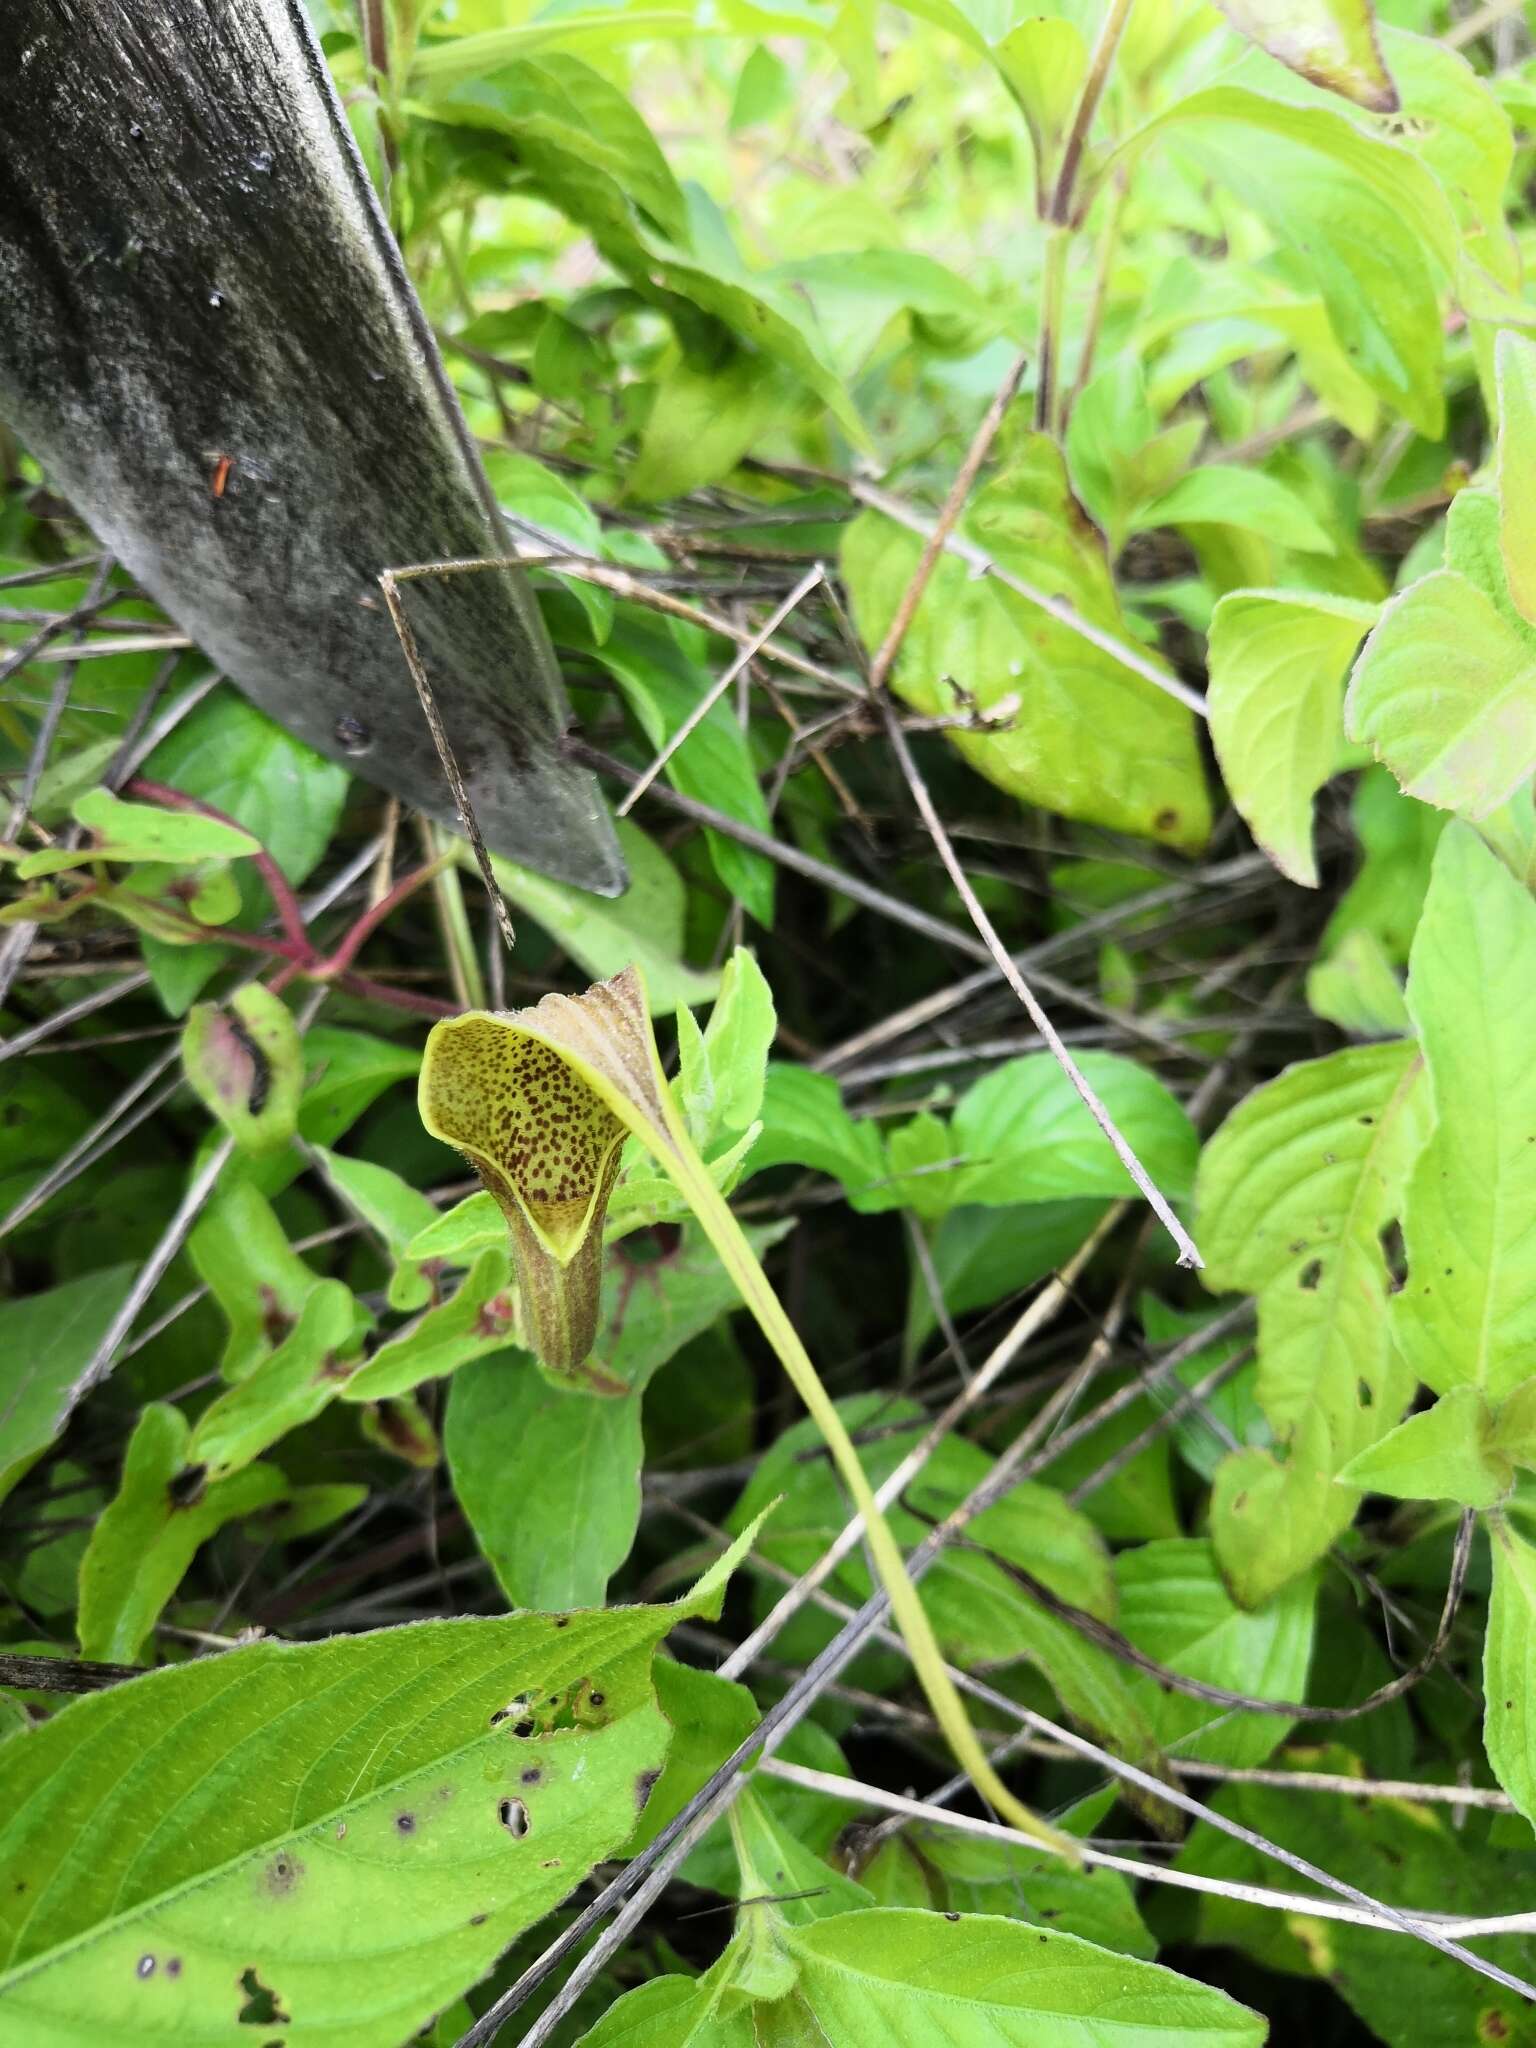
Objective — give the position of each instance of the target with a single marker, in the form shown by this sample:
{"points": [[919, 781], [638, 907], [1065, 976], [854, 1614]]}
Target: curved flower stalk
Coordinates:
{"points": [[538, 1101]]}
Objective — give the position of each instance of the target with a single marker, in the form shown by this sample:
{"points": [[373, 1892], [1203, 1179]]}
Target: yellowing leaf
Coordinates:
{"points": [[1515, 360], [245, 1063], [1332, 42]]}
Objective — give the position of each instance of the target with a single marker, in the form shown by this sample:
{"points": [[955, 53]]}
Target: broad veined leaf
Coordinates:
{"points": [[702, 421], [771, 1859], [46, 1342], [1446, 1452], [246, 1065], [1509, 1666], [1025, 1136], [1445, 693], [347, 1071], [1174, 1606], [1369, 222], [1277, 665], [980, 1255], [1293, 1193], [337, 1836], [1515, 358], [147, 1535], [974, 1981], [603, 934], [1331, 42], [1088, 737], [1467, 1313], [805, 1124]]}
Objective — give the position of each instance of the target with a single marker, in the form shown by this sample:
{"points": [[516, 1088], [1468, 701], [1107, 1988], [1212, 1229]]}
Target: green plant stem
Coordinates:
{"points": [[1109, 243], [1102, 56], [739, 1260]]}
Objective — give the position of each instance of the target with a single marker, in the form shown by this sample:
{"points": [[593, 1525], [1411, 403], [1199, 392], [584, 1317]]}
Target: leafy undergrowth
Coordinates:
{"points": [[1178, 674]]}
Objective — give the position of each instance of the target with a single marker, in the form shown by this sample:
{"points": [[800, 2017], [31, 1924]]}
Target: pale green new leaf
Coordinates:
{"points": [[1224, 494], [1331, 42], [1292, 1195], [1445, 693], [355, 1828], [145, 1538], [702, 421], [1356, 988], [133, 832], [1447, 1452], [1515, 358], [1277, 665], [1467, 1315], [1509, 1666]]}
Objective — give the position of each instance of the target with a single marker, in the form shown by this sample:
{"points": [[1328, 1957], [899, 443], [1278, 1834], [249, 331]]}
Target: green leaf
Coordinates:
{"points": [[239, 1819], [346, 1072], [703, 420], [246, 1066], [1293, 1193], [772, 1860], [1509, 1666], [1399, 838], [460, 1232], [1088, 737], [46, 1342], [603, 934], [164, 1509], [1515, 358], [899, 1974], [1277, 668], [1331, 42], [1365, 219], [242, 1255], [1044, 60], [662, 687], [723, 1071], [394, 1211], [235, 758], [710, 1718], [1445, 693], [1027, 1137], [1445, 1453], [805, 1124], [1356, 988], [514, 1438], [532, 495], [290, 1387], [1467, 1315], [1223, 494], [981, 1255], [477, 1318], [1174, 1606], [133, 832]]}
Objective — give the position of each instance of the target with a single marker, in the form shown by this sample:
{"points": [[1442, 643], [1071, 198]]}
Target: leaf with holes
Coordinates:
{"points": [[1293, 1194], [337, 1837]]}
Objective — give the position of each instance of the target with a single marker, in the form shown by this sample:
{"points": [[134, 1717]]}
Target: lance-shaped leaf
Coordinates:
{"points": [[1331, 42], [545, 1138], [538, 1100]]}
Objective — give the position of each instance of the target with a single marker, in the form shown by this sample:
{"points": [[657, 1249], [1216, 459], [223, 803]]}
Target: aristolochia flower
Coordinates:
{"points": [[539, 1102]]}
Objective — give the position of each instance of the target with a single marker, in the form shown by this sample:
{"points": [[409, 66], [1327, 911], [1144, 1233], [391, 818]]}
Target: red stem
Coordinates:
{"points": [[346, 952], [283, 898]]}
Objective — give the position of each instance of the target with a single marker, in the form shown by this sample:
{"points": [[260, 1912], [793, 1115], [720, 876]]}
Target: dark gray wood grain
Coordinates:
{"points": [[207, 338]]}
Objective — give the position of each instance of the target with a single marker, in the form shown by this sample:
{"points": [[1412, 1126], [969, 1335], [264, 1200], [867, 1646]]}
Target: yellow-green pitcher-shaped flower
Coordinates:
{"points": [[538, 1101]]}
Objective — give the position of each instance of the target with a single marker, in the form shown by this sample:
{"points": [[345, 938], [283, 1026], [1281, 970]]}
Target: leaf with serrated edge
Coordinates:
{"points": [[1444, 1453], [1292, 1195], [1444, 692], [363, 1824], [1467, 1314]]}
